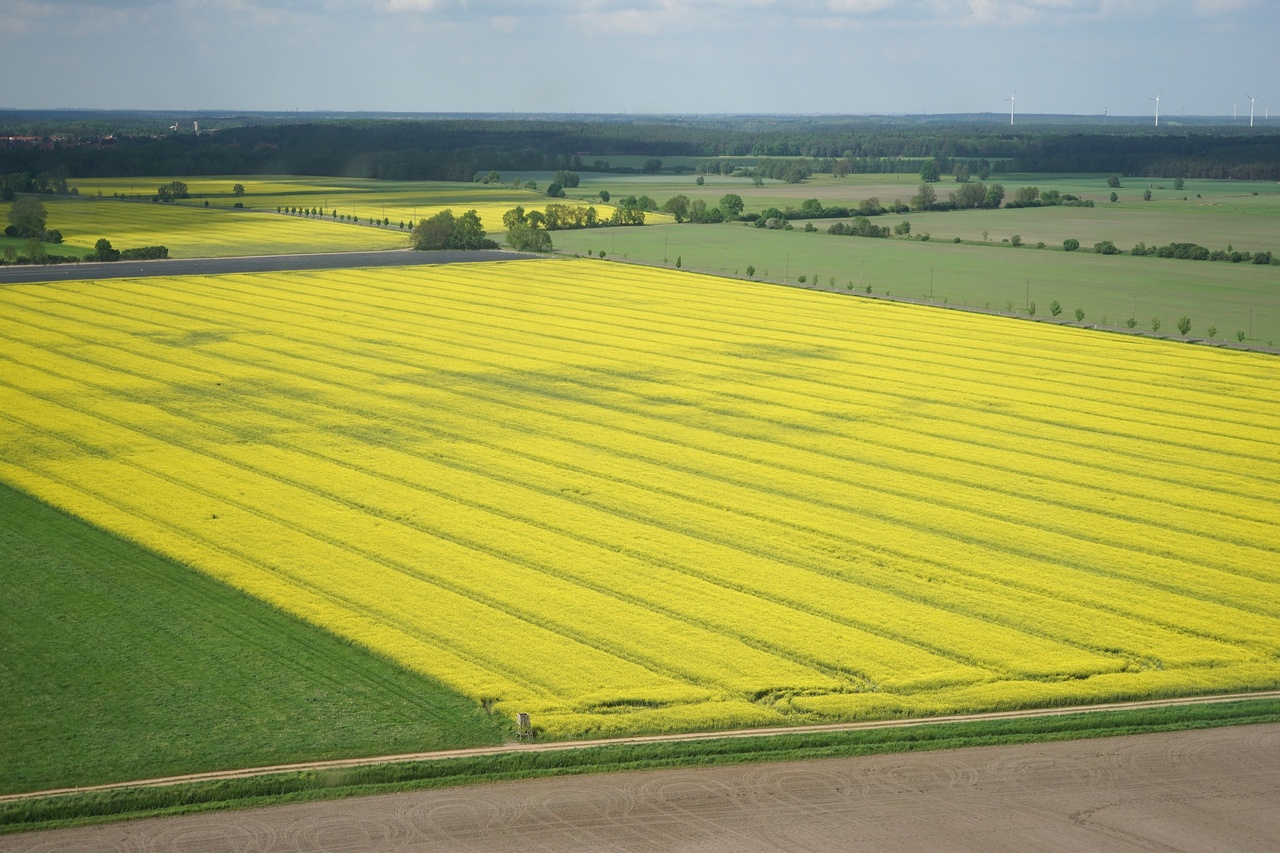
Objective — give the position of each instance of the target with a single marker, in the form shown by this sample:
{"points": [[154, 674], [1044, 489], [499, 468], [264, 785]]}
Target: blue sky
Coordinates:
{"points": [[703, 56]]}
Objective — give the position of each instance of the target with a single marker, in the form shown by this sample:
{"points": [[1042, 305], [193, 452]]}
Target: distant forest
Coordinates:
{"points": [[457, 149]]}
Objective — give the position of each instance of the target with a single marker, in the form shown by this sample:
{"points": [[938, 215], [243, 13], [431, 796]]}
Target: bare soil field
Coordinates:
{"points": [[1215, 789]]}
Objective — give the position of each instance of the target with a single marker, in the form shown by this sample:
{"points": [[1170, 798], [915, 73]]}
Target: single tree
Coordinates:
{"points": [[1055, 308], [653, 164], [237, 190], [434, 232], [1114, 182], [677, 206], [1131, 322], [1184, 325], [1015, 240], [1079, 315], [1155, 324], [1031, 309], [925, 198], [28, 215], [930, 173], [1115, 197], [751, 271], [1070, 244], [102, 251], [604, 196], [1240, 336], [731, 205], [699, 180], [35, 250], [1178, 183], [903, 228], [1213, 331], [969, 196], [1146, 195], [555, 191], [961, 173], [513, 217], [677, 262]]}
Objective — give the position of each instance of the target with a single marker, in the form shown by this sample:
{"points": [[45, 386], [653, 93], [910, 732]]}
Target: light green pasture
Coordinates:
{"points": [[1108, 288]]}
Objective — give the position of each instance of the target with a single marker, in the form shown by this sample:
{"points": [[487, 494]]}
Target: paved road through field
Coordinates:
{"points": [[22, 274], [1203, 790]]}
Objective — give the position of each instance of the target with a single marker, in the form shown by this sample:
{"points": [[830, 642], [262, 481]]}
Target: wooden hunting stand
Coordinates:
{"points": [[524, 728]]}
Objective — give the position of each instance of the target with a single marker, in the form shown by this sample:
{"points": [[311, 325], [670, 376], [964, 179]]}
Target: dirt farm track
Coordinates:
{"points": [[1213, 789]]}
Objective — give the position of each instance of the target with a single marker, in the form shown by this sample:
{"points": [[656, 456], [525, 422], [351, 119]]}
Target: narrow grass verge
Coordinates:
{"points": [[277, 789]]}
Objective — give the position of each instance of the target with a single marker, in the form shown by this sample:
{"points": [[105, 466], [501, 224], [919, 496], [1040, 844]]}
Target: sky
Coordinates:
{"points": [[843, 57]]}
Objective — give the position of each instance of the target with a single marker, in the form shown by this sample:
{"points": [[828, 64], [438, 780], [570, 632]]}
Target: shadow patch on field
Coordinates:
{"points": [[775, 352], [564, 386], [191, 338]]}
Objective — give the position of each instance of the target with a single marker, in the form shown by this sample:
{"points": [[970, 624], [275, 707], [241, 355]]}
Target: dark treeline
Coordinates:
{"points": [[458, 149], [1202, 155]]}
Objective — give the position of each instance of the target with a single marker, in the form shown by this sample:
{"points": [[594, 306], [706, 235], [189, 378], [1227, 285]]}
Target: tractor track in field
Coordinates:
{"points": [[561, 746]]}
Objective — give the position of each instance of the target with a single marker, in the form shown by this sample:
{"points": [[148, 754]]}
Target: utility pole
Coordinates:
{"points": [[930, 284]]}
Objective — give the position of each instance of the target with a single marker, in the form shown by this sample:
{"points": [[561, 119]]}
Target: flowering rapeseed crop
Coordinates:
{"points": [[628, 499]]}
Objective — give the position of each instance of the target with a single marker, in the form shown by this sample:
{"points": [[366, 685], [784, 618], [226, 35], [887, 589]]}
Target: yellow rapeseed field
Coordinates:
{"points": [[625, 499], [191, 231], [362, 198]]}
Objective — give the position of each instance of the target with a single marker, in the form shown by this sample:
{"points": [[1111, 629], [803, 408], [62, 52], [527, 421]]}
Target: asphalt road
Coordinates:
{"points": [[259, 263]]}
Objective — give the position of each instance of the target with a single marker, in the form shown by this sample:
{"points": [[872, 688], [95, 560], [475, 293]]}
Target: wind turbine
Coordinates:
{"points": [[1251, 98], [1012, 99], [1157, 100]]}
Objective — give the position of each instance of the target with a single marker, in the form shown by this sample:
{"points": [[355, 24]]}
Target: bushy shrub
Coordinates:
{"points": [[144, 253]]}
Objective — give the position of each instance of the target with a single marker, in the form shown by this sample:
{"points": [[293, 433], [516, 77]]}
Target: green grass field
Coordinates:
{"points": [[1108, 288], [116, 664]]}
